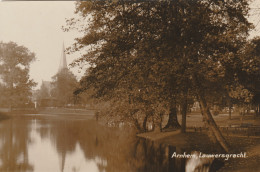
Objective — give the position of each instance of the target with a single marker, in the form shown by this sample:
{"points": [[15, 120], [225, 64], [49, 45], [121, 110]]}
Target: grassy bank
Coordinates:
{"points": [[200, 141], [55, 111], [65, 111], [3, 116], [251, 163]]}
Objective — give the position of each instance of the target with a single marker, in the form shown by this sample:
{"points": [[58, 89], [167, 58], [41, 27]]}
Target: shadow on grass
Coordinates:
{"points": [[3, 116]]}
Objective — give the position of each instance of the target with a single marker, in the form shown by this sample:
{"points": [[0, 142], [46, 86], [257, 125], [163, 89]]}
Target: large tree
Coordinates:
{"points": [[63, 85], [250, 79], [146, 56], [14, 73]]}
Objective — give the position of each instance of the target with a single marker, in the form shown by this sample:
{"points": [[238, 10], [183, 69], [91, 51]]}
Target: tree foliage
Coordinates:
{"points": [[251, 79], [45, 90], [14, 72], [146, 56], [63, 85]]}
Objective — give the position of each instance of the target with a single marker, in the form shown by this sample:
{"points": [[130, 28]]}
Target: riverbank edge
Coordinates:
{"points": [[155, 136], [232, 166], [54, 111]]}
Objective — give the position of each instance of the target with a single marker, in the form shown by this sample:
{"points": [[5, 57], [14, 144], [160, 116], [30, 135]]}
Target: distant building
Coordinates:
{"points": [[63, 60], [45, 96], [47, 85]]}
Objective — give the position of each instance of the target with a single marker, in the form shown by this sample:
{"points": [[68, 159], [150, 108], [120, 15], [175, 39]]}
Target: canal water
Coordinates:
{"points": [[43, 143]]}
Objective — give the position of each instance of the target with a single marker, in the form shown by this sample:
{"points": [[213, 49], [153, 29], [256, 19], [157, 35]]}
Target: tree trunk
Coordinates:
{"points": [[257, 111], [136, 123], [229, 108], [183, 113], [157, 124], [145, 123], [229, 112], [208, 117], [173, 121]]}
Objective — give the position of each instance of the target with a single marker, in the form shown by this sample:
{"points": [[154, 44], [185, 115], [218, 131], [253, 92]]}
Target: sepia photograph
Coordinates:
{"points": [[130, 86]]}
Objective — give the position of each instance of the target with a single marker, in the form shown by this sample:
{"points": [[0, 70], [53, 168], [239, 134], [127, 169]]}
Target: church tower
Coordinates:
{"points": [[63, 60]]}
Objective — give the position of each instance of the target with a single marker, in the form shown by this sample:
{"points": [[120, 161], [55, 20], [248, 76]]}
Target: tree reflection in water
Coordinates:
{"points": [[101, 148], [112, 149], [14, 139]]}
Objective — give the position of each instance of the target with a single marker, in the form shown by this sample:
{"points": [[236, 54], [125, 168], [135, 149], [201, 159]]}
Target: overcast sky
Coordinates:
{"points": [[37, 26]]}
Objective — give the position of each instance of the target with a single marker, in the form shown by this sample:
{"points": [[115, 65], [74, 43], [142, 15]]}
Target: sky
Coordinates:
{"points": [[37, 26]]}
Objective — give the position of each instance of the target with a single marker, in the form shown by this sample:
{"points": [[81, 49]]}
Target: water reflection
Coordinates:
{"points": [[55, 144], [14, 139]]}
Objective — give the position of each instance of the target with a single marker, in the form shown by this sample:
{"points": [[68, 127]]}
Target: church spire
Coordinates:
{"points": [[63, 60]]}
